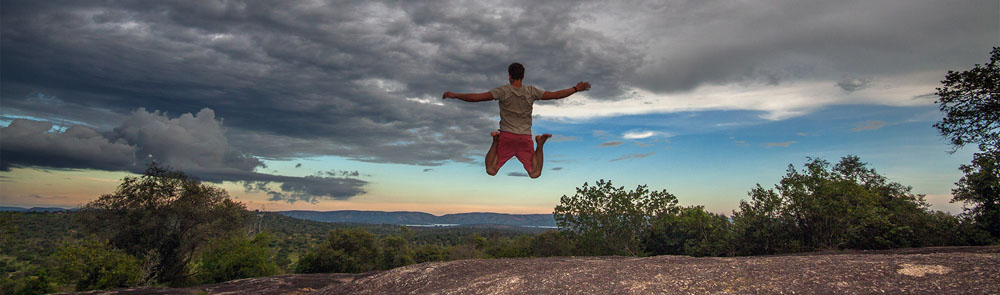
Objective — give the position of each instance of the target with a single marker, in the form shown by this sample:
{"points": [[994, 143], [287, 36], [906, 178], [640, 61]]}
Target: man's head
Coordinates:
{"points": [[516, 71]]}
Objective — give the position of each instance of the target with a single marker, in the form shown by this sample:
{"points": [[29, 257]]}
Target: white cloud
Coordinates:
{"points": [[868, 125], [781, 144], [632, 156], [640, 134], [560, 138]]}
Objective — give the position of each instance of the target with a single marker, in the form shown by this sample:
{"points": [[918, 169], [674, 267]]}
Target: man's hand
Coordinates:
{"points": [[582, 86], [448, 94]]}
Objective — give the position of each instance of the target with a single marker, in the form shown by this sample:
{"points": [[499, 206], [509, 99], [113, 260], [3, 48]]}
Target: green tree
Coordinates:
{"points": [[326, 260], [91, 264], [345, 250], [980, 187], [551, 243], [282, 259], [7, 229], [395, 253], [971, 103], [165, 217], [36, 284], [692, 231], [503, 247], [236, 257], [427, 253], [472, 248], [608, 220], [851, 206], [760, 226]]}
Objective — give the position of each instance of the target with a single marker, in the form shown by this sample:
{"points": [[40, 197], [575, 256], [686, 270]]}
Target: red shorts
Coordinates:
{"points": [[513, 144]]}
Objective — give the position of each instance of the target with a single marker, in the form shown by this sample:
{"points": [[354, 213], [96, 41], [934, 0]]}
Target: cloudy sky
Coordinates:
{"points": [[328, 105]]}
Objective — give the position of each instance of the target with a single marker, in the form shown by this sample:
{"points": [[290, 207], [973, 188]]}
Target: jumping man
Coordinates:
{"points": [[514, 137]]}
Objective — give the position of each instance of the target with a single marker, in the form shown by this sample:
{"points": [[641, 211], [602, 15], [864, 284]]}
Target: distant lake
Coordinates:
{"points": [[432, 225], [454, 224]]}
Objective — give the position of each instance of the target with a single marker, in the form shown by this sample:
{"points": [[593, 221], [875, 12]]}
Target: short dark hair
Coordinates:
{"points": [[516, 71]]}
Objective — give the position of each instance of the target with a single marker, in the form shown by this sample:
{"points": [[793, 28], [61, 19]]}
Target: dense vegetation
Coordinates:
{"points": [[37, 250], [820, 206]]}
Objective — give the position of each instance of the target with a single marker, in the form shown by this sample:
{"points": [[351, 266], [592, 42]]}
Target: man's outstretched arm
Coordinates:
{"points": [[582, 86], [470, 97]]}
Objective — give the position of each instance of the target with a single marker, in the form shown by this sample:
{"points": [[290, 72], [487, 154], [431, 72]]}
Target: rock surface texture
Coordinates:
{"points": [[946, 270]]}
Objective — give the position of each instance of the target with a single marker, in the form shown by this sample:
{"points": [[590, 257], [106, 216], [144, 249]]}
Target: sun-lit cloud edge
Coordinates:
{"points": [[775, 102]]}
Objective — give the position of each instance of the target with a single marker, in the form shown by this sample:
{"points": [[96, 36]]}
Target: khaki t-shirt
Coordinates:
{"points": [[515, 107]]}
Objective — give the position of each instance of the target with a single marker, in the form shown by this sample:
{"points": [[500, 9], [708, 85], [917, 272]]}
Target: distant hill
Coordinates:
{"points": [[33, 209], [421, 218]]}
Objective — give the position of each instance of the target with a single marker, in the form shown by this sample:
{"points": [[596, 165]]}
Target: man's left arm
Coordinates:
{"points": [[582, 86]]}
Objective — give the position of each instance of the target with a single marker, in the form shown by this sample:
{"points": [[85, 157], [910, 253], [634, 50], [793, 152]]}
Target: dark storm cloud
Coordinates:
{"points": [[195, 144], [692, 43], [28, 143], [362, 79], [189, 142], [309, 188], [300, 78]]}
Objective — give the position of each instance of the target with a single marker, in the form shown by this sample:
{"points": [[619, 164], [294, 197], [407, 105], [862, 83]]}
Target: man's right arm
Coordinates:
{"points": [[470, 97]]}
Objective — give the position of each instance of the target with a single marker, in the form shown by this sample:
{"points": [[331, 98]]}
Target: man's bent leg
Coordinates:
{"points": [[538, 158], [491, 156]]}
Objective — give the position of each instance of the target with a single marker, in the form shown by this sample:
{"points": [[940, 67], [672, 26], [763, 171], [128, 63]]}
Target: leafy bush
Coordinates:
{"points": [[980, 188], [846, 205], [502, 247], [692, 231], [761, 227], [605, 220], [237, 257], [91, 264], [345, 250], [552, 243], [428, 253], [395, 253]]}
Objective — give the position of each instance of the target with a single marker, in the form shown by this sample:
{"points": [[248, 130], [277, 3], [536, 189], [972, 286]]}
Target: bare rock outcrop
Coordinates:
{"points": [[941, 270], [962, 270]]}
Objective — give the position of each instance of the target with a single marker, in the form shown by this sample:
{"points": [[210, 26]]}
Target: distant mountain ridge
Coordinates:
{"points": [[421, 218], [33, 209]]}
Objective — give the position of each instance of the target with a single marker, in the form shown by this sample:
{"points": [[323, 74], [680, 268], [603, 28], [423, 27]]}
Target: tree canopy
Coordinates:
{"points": [[980, 187], [165, 217], [612, 220], [971, 103]]}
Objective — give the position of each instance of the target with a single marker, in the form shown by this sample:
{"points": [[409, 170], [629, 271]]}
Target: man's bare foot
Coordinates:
{"points": [[540, 139]]}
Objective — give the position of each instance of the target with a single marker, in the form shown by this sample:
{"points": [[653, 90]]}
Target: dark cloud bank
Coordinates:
{"points": [[362, 79], [294, 78], [195, 144], [289, 79]]}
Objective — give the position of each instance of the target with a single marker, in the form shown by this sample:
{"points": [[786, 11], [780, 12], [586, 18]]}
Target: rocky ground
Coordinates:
{"points": [[944, 270]]}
